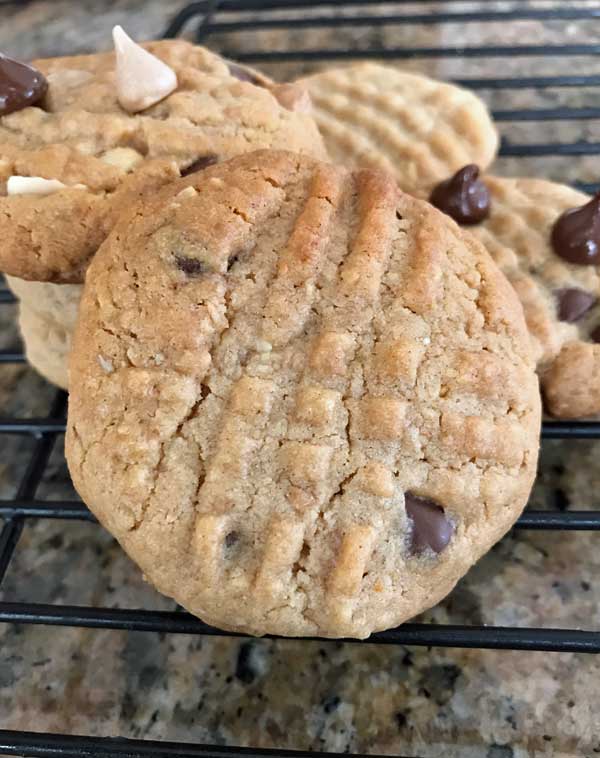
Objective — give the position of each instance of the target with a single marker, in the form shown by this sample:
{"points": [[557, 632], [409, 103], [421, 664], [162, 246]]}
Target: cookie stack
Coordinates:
{"points": [[96, 140], [302, 398]]}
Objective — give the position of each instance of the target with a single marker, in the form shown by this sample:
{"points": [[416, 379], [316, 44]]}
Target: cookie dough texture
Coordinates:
{"points": [[47, 317], [418, 129], [268, 357], [81, 136], [517, 234]]}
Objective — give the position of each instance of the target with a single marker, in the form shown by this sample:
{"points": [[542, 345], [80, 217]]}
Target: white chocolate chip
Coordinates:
{"points": [[426, 340], [36, 185], [106, 364], [142, 78], [187, 192], [125, 158]]}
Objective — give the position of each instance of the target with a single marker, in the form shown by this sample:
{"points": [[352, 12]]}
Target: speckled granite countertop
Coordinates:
{"points": [[322, 696]]}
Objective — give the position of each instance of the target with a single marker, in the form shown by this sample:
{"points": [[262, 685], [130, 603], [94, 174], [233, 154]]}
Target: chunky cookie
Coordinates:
{"points": [[418, 129], [546, 239], [303, 401], [47, 317], [86, 139]]}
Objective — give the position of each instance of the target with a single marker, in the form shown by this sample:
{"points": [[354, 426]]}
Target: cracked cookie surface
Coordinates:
{"points": [[561, 300], [81, 136], [419, 129], [303, 401]]}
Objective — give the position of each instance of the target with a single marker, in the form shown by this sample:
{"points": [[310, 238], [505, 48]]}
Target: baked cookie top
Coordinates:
{"points": [[418, 129], [303, 401], [560, 297], [80, 135]]}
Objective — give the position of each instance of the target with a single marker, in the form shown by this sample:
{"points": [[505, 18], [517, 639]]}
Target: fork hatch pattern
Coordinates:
{"points": [[222, 25]]}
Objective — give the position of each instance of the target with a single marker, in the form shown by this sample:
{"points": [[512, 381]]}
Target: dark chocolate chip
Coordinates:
{"points": [[232, 260], [464, 197], [204, 161], [244, 75], [595, 334], [190, 266], [20, 85], [231, 539], [430, 527], [573, 303], [576, 234]]}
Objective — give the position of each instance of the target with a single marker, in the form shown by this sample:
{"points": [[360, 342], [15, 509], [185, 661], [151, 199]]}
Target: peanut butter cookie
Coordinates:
{"points": [[418, 129], [546, 239], [83, 137], [47, 317], [303, 401]]}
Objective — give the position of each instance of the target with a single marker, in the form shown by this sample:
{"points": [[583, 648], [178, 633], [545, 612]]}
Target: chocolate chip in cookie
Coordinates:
{"points": [[202, 162], [430, 527], [576, 234], [20, 85], [190, 266], [573, 303], [541, 234], [85, 136], [464, 197]]}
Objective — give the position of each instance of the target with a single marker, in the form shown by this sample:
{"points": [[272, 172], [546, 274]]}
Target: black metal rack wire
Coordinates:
{"points": [[230, 17]]}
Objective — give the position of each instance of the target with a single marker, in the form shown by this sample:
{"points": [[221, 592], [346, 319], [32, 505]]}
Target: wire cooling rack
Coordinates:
{"points": [[252, 18]]}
